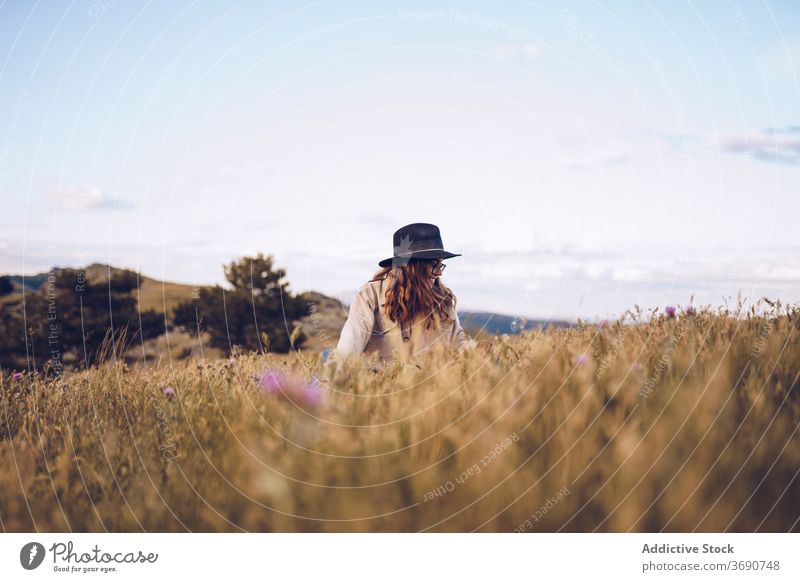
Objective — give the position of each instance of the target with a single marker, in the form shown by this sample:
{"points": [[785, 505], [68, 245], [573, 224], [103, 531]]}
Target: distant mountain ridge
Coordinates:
{"points": [[496, 323]]}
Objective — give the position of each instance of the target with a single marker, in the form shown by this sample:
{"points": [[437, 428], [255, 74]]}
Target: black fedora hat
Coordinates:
{"points": [[417, 241]]}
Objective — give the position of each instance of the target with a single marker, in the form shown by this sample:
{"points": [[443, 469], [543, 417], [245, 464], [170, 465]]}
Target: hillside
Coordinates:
{"points": [[153, 294], [161, 296]]}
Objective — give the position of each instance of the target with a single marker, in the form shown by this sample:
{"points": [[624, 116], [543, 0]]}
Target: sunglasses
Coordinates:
{"points": [[438, 267]]}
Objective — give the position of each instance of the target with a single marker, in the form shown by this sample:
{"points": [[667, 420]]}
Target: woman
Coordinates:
{"points": [[405, 309]]}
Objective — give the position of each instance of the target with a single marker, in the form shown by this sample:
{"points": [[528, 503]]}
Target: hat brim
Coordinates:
{"points": [[425, 255]]}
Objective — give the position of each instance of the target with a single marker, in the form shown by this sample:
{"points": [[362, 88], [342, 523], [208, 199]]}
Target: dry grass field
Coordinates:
{"points": [[684, 422]]}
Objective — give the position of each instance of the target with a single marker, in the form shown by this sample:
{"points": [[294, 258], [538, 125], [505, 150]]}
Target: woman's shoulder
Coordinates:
{"points": [[370, 286], [377, 285], [370, 292]]}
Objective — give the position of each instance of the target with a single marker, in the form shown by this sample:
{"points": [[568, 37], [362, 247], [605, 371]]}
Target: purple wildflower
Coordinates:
{"points": [[270, 381], [670, 311], [311, 394], [303, 394], [691, 310], [17, 375], [169, 391], [581, 359]]}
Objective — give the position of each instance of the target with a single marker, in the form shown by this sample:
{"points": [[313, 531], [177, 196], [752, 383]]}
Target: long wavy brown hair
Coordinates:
{"points": [[411, 292]]}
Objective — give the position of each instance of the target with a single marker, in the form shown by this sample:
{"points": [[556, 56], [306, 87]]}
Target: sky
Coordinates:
{"points": [[583, 157]]}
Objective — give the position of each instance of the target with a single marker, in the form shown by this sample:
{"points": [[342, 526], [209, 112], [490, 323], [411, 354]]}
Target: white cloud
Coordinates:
{"points": [[774, 145], [629, 274], [781, 145], [86, 198], [532, 51], [585, 153]]}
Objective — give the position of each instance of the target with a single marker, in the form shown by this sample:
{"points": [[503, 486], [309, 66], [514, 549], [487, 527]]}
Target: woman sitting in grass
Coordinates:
{"points": [[405, 309]]}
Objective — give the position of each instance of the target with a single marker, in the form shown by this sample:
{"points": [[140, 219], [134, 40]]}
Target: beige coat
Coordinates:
{"points": [[368, 330]]}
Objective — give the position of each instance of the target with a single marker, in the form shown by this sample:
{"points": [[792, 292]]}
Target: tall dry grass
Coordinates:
{"points": [[684, 423]]}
